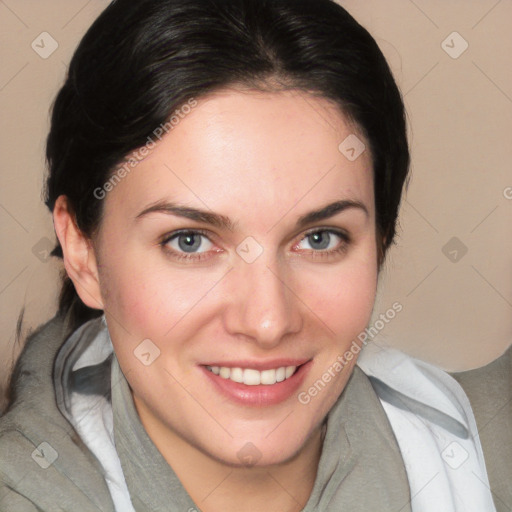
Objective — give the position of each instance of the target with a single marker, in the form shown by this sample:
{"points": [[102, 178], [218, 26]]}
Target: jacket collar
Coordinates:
{"points": [[348, 478]]}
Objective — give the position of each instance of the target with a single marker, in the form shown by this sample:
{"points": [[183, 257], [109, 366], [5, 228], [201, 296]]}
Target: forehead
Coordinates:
{"points": [[258, 149]]}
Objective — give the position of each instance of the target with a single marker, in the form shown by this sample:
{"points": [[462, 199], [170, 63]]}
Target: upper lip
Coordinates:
{"points": [[259, 365]]}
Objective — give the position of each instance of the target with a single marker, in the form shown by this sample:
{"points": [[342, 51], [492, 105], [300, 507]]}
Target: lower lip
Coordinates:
{"points": [[261, 395]]}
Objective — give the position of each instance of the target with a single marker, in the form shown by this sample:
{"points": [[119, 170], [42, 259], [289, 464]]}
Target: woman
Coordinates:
{"points": [[224, 178]]}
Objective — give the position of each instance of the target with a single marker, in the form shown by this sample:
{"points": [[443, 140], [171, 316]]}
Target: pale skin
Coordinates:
{"points": [[263, 160]]}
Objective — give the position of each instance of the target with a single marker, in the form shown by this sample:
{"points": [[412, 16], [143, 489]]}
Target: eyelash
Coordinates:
{"points": [[342, 248]]}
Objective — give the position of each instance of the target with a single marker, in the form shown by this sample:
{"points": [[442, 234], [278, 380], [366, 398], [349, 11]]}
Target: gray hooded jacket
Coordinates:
{"points": [[44, 465]]}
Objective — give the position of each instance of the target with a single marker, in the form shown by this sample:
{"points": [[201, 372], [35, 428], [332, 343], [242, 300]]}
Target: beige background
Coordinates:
{"points": [[457, 308]]}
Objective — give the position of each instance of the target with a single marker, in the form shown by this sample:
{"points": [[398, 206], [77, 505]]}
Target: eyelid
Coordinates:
{"points": [[195, 231], [337, 231]]}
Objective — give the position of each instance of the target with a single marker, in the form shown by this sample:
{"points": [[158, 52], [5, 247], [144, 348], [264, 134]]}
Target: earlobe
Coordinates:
{"points": [[78, 254]]}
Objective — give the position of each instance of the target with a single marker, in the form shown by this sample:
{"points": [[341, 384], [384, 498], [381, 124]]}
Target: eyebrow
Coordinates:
{"points": [[223, 222]]}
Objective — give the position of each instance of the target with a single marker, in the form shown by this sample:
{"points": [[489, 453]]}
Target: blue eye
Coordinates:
{"points": [[324, 240], [188, 242]]}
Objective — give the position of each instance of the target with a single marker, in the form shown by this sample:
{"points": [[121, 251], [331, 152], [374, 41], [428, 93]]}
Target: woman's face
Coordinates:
{"points": [[242, 246]]}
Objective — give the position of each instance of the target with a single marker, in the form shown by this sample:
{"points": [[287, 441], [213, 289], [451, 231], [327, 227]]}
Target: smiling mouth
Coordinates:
{"points": [[252, 377]]}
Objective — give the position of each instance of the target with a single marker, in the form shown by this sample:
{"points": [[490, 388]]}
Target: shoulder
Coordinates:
{"points": [[33, 405], [15, 453], [12, 501], [490, 387], [489, 390], [44, 465], [48, 475]]}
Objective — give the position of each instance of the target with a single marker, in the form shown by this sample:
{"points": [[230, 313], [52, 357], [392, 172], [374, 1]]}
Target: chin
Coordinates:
{"points": [[259, 449]]}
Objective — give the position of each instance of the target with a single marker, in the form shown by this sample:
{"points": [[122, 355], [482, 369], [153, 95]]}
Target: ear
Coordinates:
{"points": [[79, 258]]}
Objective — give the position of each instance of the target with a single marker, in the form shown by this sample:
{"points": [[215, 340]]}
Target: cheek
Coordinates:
{"points": [[343, 298], [357, 288], [149, 297]]}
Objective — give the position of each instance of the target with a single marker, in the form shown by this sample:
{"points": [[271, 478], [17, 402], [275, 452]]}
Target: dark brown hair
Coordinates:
{"points": [[140, 61]]}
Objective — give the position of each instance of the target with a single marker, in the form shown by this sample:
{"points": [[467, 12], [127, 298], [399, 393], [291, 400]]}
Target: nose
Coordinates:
{"points": [[262, 307]]}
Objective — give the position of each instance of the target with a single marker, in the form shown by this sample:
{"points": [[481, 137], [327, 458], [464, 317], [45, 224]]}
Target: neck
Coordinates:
{"points": [[215, 486]]}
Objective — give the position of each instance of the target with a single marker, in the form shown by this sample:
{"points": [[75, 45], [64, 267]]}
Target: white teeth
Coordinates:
{"points": [[237, 374], [280, 374], [268, 377], [224, 372], [251, 377]]}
